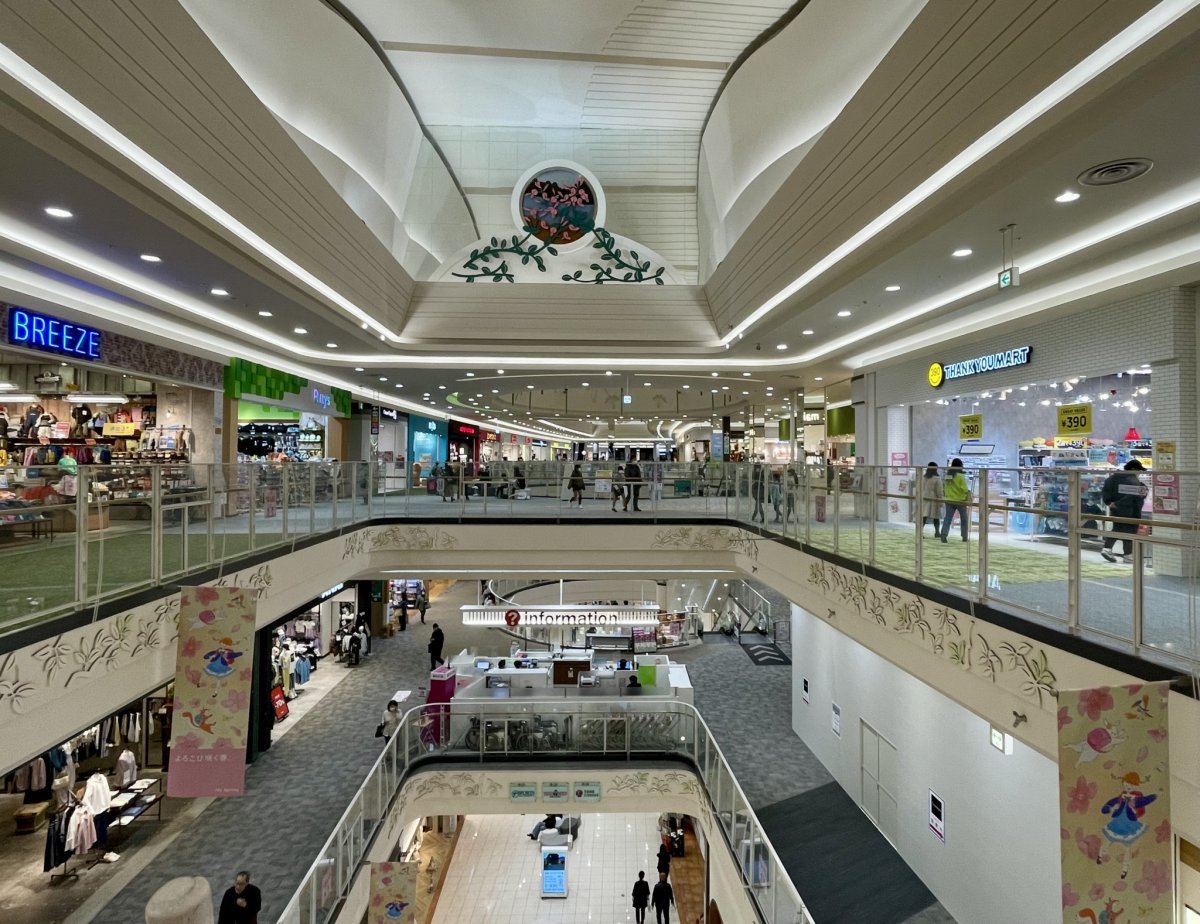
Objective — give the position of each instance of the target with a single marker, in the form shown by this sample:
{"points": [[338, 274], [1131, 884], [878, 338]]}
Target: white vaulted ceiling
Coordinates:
{"points": [[620, 86]]}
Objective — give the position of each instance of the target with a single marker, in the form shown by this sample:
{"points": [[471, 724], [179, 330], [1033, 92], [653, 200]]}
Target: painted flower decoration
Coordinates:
{"points": [[558, 206], [1070, 898], [1081, 796], [1155, 881], [206, 595], [1064, 718], [1094, 702]]}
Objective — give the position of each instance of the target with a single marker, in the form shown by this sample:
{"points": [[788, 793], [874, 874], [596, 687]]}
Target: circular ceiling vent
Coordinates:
{"points": [[1116, 171]]}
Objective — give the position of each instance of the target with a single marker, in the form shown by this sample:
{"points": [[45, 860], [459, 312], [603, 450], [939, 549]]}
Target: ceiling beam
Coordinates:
{"points": [[533, 54]]}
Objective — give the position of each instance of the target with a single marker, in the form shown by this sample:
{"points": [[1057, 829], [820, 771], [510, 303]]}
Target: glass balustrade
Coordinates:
{"points": [[1035, 536]]}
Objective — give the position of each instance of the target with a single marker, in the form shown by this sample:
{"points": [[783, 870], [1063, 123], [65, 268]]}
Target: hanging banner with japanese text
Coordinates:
{"points": [[214, 669], [393, 894], [1114, 804]]}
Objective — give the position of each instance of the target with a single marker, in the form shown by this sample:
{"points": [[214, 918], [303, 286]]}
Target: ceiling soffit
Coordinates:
{"points": [[947, 81], [155, 77]]}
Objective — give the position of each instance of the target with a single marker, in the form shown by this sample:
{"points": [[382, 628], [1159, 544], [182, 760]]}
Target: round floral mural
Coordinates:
{"points": [[558, 205]]}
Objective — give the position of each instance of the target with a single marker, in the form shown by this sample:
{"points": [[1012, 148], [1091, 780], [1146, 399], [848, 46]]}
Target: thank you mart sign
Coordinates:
{"points": [[940, 373], [567, 616]]}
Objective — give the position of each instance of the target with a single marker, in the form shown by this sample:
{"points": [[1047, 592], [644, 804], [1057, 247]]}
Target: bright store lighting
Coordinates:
{"points": [[359, 369], [963, 252], [891, 288], [151, 258], [845, 313], [1068, 196], [220, 293], [781, 346], [331, 346], [299, 330], [383, 378], [264, 314], [55, 211], [19, 398], [79, 398], [807, 333]]}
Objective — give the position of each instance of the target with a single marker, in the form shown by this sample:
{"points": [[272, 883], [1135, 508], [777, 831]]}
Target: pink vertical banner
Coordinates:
{"points": [[214, 669], [1114, 805], [393, 894]]}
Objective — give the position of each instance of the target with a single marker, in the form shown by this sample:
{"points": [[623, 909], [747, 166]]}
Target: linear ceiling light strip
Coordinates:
{"points": [[1107, 55], [33, 80]]}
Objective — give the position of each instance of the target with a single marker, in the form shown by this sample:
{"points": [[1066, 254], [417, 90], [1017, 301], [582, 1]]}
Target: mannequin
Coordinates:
{"points": [[45, 425], [81, 416]]}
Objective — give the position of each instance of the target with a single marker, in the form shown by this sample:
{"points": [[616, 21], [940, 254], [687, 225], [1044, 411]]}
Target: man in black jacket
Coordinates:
{"points": [[241, 902], [641, 898], [662, 900], [436, 641], [633, 482], [1124, 494]]}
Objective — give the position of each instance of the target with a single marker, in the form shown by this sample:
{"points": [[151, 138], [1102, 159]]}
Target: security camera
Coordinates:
{"points": [[758, 347]]}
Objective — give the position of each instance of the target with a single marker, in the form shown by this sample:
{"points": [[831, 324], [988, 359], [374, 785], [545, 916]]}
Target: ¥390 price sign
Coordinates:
{"points": [[1074, 419], [970, 426]]}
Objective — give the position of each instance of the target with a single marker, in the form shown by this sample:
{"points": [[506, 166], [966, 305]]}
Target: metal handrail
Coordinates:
{"points": [[423, 736]]}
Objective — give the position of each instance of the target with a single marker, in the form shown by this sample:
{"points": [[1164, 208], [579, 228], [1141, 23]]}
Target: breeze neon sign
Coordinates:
{"points": [[52, 335]]}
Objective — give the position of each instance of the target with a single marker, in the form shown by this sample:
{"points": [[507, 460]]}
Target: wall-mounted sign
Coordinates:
{"points": [[940, 373], [120, 428], [389, 413], [814, 417], [586, 792], [522, 792], [836, 721], [1074, 419], [970, 426], [431, 426], [556, 792], [336, 588], [321, 399], [560, 616], [374, 420], [937, 816], [805, 693], [52, 335], [489, 436]]}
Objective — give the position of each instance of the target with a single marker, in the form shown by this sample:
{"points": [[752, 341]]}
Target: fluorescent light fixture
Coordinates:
{"points": [[299, 330], [264, 314], [1161, 16], [383, 378], [79, 398], [845, 313], [781, 346], [151, 258], [807, 333], [819, 378], [55, 211], [8, 386], [17, 398], [359, 369], [470, 375], [1068, 196], [331, 346], [220, 293], [891, 288], [963, 252]]}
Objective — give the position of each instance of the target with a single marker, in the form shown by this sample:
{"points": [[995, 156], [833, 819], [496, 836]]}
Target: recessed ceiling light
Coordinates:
{"points": [[745, 375], [781, 346], [299, 330], [495, 391], [686, 387], [891, 288], [364, 326], [608, 373], [715, 374], [499, 372], [807, 333], [745, 393], [399, 385], [819, 378], [359, 369], [331, 346], [441, 388], [963, 252], [55, 211], [219, 292], [151, 258], [264, 314], [845, 313], [585, 384], [1069, 196], [646, 384], [470, 375], [383, 378]]}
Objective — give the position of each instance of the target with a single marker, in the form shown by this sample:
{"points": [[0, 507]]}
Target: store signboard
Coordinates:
{"points": [[213, 677], [522, 792], [586, 792], [556, 792], [389, 413], [120, 428], [970, 426], [393, 894], [374, 420], [940, 373], [717, 446], [52, 335], [1074, 419], [567, 616]]}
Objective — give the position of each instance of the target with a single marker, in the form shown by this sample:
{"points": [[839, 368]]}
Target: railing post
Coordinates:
{"points": [[156, 525], [284, 494], [253, 492], [873, 508], [984, 516], [837, 509], [1138, 588], [84, 488], [213, 471], [312, 497], [808, 497], [919, 518], [1074, 551]]}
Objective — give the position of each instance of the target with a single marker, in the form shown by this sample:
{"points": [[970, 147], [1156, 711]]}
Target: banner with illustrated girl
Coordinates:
{"points": [[393, 894], [214, 669], [1114, 805]]}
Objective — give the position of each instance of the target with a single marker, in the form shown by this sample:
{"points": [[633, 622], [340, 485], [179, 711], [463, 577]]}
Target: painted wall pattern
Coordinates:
{"points": [[978, 648], [1114, 805]]}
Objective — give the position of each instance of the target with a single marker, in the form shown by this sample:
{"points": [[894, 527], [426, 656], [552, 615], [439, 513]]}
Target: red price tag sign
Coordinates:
{"points": [[512, 617]]}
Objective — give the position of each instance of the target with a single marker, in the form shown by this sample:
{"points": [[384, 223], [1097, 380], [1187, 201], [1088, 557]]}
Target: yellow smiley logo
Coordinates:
{"points": [[937, 374]]}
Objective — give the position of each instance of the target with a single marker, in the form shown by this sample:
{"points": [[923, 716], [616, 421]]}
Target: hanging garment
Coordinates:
{"points": [[135, 728], [81, 830], [37, 775], [96, 797], [126, 768], [56, 842], [21, 779]]}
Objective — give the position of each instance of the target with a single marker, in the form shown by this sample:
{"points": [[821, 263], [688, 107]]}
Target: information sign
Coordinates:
{"points": [[554, 872], [556, 792], [522, 792], [586, 792], [1074, 419], [970, 427]]}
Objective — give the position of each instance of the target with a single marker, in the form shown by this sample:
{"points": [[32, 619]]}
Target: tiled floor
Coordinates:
{"points": [[494, 876]]}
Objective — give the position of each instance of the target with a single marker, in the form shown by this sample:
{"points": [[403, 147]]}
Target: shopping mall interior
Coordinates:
{"points": [[457, 457]]}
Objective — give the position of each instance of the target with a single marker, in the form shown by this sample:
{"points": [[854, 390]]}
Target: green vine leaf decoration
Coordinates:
{"points": [[613, 267], [519, 248]]}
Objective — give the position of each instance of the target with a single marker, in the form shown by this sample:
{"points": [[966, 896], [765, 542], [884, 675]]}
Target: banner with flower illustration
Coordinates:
{"points": [[1114, 805], [393, 894], [214, 669]]}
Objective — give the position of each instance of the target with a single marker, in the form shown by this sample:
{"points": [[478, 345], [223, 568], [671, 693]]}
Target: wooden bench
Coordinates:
{"points": [[31, 817]]}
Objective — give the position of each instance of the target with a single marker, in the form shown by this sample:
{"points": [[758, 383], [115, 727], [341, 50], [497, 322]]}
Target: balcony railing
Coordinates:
{"points": [[1035, 533], [554, 728]]}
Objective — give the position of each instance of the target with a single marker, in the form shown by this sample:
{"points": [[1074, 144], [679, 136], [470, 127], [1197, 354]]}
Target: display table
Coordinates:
{"points": [[134, 800]]}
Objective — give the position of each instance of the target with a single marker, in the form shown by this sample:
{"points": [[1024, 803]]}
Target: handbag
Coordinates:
{"points": [[379, 730]]}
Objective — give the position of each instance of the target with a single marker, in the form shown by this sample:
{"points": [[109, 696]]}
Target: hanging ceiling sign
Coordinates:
{"points": [[940, 373], [567, 616]]}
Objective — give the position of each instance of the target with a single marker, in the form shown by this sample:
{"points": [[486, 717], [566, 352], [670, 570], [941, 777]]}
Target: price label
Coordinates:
{"points": [[1074, 419], [970, 427], [113, 428]]}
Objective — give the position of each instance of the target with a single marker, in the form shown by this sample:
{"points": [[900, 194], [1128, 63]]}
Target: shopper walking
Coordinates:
{"points": [[391, 720], [957, 494], [403, 610], [757, 490], [576, 484], [664, 859], [1125, 496], [241, 902], [662, 900], [633, 477], [932, 499], [422, 603], [641, 898], [792, 488], [436, 641], [618, 487], [775, 493]]}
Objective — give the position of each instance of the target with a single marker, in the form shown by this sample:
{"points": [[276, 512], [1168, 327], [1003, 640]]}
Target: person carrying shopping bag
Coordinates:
{"points": [[957, 494]]}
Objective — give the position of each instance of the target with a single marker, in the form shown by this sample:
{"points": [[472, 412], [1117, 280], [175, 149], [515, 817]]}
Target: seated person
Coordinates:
{"points": [[634, 682], [550, 821]]}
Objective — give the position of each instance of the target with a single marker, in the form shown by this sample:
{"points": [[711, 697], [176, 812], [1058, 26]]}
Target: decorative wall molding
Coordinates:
{"points": [[708, 539]]}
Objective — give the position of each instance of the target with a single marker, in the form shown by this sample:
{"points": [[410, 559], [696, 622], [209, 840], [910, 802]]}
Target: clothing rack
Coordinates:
{"points": [[67, 871]]}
